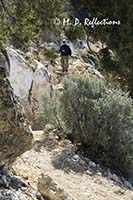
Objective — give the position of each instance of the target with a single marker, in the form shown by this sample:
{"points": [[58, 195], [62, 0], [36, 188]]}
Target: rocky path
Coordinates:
{"points": [[82, 186]]}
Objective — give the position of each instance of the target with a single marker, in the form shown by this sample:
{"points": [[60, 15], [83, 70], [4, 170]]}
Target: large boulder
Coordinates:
{"points": [[47, 36], [27, 81], [15, 134], [20, 74], [51, 190]]}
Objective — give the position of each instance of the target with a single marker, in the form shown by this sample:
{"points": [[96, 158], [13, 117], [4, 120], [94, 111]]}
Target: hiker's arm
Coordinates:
{"points": [[60, 49], [70, 51]]}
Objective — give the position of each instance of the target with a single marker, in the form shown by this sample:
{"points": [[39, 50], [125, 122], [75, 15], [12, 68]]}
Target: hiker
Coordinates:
{"points": [[65, 54]]}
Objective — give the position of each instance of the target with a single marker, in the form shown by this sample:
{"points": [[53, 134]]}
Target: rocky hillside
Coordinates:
{"points": [[53, 169], [67, 172], [66, 135]]}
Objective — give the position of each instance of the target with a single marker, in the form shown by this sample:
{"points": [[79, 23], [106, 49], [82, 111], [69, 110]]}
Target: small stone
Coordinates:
{"points": [[48, 128], [70, 149], [88, 172], [113, 177], [119, 191], [92, 164], [99, 173], [17, 183], [75, 158], [52, 135], [98, 181], [82, 162], [128, 185], [86, 159], [26, 177], [66, 142], [34, 194]]}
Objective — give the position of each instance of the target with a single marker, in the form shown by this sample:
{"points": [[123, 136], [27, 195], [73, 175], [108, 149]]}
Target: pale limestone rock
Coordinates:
{"points": [[15, 134], [25, 80]]}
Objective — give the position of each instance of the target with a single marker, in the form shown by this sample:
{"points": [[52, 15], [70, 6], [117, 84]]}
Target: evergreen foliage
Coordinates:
{"points": [[117, 37], [22, 20]]}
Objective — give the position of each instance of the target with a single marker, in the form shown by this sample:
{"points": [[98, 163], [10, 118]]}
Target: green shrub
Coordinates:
{"points": [[49, 111], [101, 119], [51, 54], [116, 120], [78, 101]]}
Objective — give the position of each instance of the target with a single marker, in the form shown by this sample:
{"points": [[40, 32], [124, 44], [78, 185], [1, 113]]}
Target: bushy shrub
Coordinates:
{"points": [[78, 106], [49, 111], [101, 119], [116, 111], [51, 54]]}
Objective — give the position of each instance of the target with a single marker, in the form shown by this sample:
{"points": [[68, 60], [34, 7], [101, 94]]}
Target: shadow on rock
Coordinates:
{"points": [[7, 181]]}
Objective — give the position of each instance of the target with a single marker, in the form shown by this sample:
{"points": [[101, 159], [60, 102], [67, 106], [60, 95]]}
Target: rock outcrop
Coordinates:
{"points": [[41, 82], [15, 134], [20, 74], [26, 79]]}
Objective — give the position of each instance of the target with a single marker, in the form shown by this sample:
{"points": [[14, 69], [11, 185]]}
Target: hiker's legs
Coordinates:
{"points": [[63, 63], [66, 63]]}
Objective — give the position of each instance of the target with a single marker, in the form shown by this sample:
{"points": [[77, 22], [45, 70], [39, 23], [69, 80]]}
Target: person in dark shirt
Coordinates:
{"points": [[66, 52]]}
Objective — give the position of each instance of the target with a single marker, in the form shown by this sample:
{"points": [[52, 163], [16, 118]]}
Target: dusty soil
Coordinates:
{"points": [[80, 185]]}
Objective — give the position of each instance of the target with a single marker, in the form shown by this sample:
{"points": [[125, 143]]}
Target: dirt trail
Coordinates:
{"points": [[81, 186]]}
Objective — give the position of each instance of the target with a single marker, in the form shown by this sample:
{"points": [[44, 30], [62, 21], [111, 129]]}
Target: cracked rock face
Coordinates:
{"points": [[26, 82], [15, 134]]}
